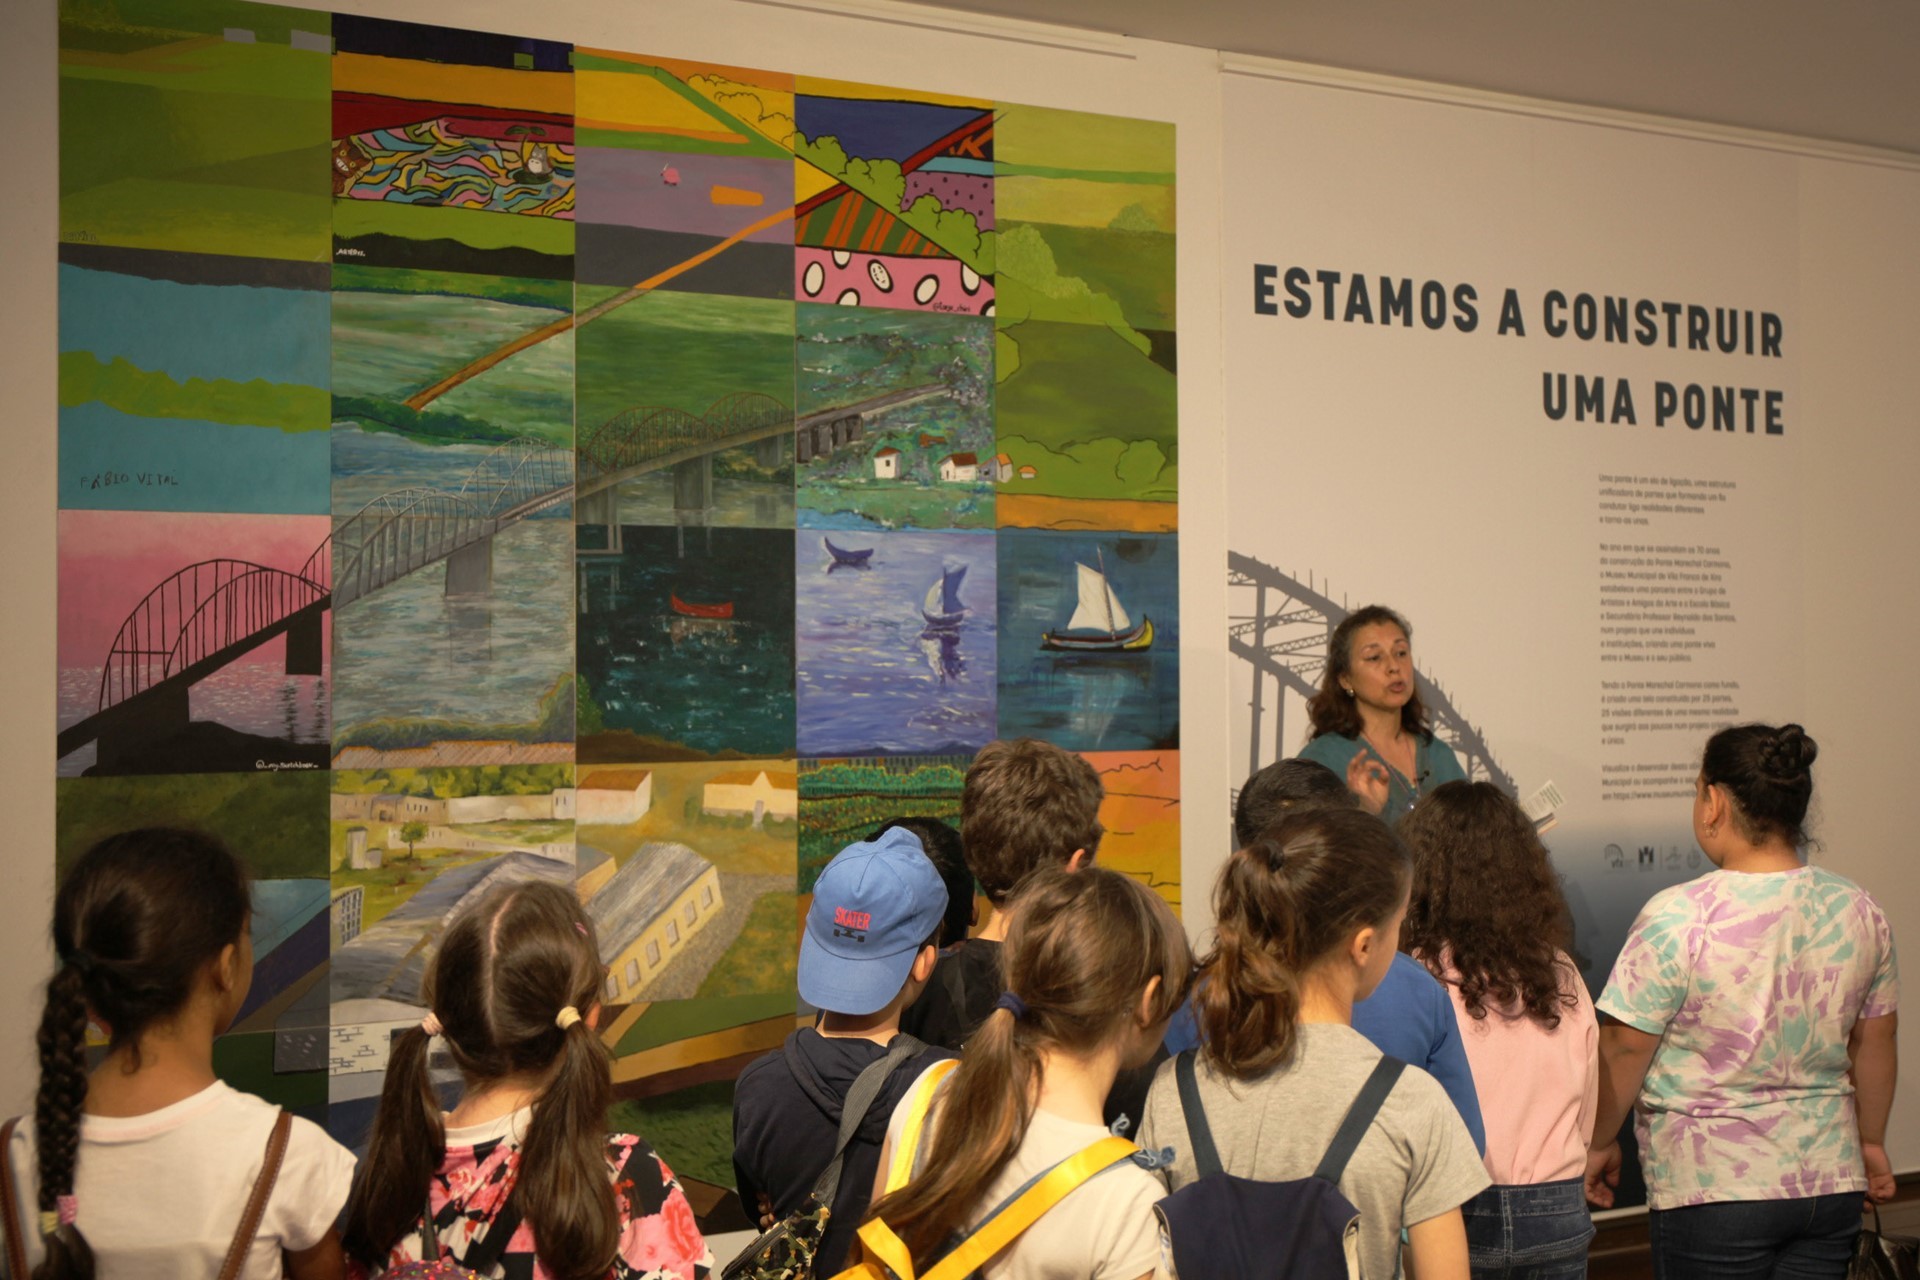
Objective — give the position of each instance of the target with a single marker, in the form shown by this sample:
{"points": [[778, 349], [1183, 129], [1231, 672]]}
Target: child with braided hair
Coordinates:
{"points": [[521, 1179], [148, 1165]]}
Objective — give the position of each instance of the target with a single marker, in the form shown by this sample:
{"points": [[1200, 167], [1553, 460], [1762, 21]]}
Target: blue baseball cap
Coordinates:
{"points": [[873, 908]]}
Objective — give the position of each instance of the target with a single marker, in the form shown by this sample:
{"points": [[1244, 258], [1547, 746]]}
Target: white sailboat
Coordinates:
{"points": [[1100, 623]]}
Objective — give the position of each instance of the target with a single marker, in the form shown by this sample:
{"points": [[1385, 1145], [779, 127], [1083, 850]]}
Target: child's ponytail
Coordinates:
{"points": [[509, 988], [136, 922], [56, 1123], [1081, 948], [563, 1181], [1294, 895], [1249, 1004], [406, 1147]]}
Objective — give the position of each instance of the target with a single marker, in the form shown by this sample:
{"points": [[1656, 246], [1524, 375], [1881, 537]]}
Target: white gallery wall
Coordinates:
{"points": [[1830, 236]]}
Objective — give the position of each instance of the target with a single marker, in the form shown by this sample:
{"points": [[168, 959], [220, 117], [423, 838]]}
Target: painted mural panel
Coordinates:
{"points": [[1090, 639], [688, 872], [196, 126], [192, 382], [848, 798], [1086, 360], [685, 408], [452, 150], [894, 424], [686, 646], [896, 647], [1141, 817], [686, 175], [192, 643], [896, 198]]}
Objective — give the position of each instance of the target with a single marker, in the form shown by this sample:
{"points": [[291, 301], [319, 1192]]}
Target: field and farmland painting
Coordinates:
{"points": [[488, 459]]}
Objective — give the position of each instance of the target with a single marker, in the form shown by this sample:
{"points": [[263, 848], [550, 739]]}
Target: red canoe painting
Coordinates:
{"points": [[701, 610]]}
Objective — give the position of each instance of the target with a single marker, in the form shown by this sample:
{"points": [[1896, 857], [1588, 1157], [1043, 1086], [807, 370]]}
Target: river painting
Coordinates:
{"points": [[885, 664], [1105, 697], [414, 666], [686, 645]]}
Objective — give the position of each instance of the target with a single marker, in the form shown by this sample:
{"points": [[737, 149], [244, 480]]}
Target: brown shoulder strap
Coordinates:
{"points": [[10, 1203], [257, 1202]]}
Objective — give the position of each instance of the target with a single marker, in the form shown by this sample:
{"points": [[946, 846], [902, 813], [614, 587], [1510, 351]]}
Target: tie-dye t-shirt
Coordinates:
{"points": [[1753, 983]]}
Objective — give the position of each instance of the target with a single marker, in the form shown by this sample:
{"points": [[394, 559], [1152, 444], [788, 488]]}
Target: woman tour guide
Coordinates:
{"points": [[1368, 722]]}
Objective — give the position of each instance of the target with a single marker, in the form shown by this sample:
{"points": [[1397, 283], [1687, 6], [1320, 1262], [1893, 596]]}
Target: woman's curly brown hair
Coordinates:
{"points": [[1486, 910]]}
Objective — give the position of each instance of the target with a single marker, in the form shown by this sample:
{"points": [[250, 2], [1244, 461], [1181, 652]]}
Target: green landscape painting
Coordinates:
{"points": [[199, 126], [1087, 410]]}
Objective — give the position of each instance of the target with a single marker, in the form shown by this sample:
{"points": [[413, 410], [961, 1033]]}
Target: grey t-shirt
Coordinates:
{"points": [[1416, 1162]]}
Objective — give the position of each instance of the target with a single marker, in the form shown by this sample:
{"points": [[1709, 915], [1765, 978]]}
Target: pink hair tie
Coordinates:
{"points": [[579, 928], [431, 1024], [66, 1208]]}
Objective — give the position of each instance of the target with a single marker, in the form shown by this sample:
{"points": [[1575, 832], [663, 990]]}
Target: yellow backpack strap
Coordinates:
{"points": [[998, 1231], [878, 1244], [920, 1103]]}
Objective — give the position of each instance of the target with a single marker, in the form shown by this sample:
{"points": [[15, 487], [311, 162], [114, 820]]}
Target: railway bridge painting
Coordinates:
{"points": [[211, 613]]}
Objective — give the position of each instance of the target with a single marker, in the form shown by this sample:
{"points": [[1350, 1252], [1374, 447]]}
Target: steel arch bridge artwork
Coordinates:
{"points": [[487, 459]]}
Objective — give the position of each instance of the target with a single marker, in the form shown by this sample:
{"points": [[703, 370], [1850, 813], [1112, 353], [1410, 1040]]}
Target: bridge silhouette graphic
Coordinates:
{"points": [[213, 612], [1279, 625]]}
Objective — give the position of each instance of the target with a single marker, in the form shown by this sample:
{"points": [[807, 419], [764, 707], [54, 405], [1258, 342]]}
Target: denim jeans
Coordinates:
{"points": [[1806, 1239], [1536, 1232]]}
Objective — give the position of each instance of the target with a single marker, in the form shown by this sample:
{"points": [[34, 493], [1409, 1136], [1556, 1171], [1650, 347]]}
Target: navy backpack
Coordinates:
{"points": [[1224, 1227]]}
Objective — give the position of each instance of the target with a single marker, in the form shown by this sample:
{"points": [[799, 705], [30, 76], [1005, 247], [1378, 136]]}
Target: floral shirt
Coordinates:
{"points": [[658, 1235], [1753, 982]]}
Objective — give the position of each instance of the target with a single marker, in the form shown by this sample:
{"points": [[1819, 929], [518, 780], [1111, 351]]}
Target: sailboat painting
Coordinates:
{"points": [[943, 609], [899, 659], [847, 557], [1099, 623], [1089, 639]]}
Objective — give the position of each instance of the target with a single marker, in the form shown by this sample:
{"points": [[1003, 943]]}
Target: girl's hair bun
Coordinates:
{"points": [[1788, 754]]}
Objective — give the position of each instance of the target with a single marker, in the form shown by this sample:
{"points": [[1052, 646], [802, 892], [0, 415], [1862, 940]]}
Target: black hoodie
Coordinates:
{"points": [[786, 1118]]}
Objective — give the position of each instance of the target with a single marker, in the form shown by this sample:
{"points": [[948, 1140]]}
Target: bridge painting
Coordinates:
{"points": [[1277, 630], [155, 605], [930, 378]]}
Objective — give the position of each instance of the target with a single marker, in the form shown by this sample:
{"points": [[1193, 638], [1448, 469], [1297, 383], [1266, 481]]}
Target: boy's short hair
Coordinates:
{"points": [[949, 858], [1284, 787], [1026, 804]]}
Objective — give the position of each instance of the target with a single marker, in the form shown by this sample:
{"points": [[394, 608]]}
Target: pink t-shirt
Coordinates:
{"points": [[1538, 1088]]}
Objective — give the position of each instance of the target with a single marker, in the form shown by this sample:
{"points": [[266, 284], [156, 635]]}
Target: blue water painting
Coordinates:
{"points": [[147, 342], [1123, 700], [460, 666], [235, 332], [667, 682], [874, 677]]}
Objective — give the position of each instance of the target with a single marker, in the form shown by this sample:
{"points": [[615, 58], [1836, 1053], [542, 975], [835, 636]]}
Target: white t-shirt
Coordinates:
{"points": [[1104, 1229], [159, 1196]]}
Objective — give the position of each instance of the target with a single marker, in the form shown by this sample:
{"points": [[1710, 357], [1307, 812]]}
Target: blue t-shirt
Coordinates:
{"points": [[1408, 1017]]}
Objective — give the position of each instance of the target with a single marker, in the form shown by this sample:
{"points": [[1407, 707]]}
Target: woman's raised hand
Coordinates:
{"points": [[1367, 778]]}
